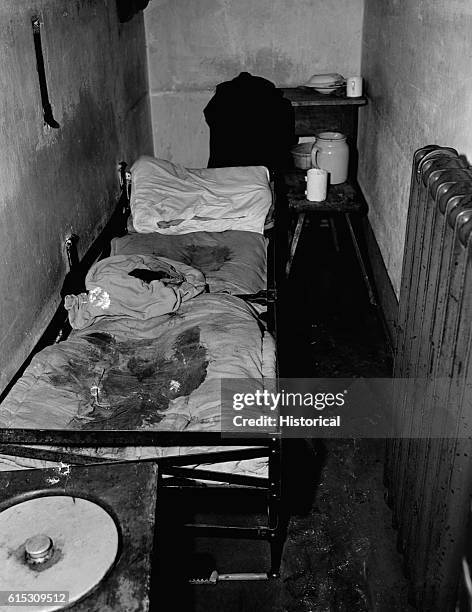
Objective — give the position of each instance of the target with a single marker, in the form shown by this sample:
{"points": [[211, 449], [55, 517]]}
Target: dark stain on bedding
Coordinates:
{"points": [[129, 385], [100, 339], [141, 367], [208, 258], [191, 360], [148, 276]]}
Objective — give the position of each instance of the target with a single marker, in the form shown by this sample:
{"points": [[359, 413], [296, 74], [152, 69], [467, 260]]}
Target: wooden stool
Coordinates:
{"points": [[342, 199]]}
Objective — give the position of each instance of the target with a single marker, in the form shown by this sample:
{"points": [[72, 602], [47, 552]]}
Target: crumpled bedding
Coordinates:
{"points": [[134, 286], [168, 379], [256, 466], [232, 261], [170, 199], [160, 374]]}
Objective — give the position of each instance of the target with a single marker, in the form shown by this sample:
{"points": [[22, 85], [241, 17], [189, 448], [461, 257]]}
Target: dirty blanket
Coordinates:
{"points": [[162, 373], [232, 261]]}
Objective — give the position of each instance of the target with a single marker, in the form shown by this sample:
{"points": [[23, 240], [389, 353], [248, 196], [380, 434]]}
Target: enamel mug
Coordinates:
{"points": [[354, 87], [316, 184]]}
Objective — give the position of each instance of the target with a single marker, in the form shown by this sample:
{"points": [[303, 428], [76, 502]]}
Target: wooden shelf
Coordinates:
{"points": [[307, 96]]}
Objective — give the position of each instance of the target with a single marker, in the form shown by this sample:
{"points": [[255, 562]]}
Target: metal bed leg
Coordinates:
{"points": [[277, 522], [276, 548]]}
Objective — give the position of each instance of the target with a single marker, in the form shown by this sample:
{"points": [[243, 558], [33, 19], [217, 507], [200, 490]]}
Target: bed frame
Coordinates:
{"points": [[173, 469]]}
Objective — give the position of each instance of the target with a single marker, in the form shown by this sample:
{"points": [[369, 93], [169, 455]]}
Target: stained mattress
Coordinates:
{"points": [[168, 379], [232, 261]]}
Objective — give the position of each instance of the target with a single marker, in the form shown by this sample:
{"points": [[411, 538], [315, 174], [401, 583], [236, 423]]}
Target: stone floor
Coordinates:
{"points": [[340, 553]]}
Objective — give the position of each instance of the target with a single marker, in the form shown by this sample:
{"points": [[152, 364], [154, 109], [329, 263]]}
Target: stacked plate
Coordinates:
{"points": [[326, 83]]}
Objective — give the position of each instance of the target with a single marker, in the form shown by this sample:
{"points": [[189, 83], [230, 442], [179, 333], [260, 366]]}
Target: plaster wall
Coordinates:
{"points": [[55, 182], [416, 58], [193, 46]]}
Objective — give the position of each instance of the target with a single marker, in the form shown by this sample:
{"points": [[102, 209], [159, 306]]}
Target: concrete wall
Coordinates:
{"points": [[194, 45], [58, 181], [416, 59]]}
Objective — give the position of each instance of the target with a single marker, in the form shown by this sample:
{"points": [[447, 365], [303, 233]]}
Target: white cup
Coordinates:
{"points": [[316, 184], [354, 87]]}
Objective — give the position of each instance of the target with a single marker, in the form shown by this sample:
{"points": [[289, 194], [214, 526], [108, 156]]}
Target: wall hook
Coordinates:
{"points": [[43, 86]]}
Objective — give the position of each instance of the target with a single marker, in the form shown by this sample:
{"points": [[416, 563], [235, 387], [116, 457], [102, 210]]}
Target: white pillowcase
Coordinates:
{"points": [[170, 199]]}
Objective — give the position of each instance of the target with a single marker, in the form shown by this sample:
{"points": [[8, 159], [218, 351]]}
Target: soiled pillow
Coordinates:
{"points": [[170, 199]]}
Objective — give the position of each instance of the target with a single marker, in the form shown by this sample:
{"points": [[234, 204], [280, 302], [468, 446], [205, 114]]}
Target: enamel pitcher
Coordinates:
{"points": [[331, 152]]}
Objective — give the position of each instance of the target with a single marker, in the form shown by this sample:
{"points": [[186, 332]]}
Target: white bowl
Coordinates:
{"points": [[326, 90], [324, 80], [301, 154]]}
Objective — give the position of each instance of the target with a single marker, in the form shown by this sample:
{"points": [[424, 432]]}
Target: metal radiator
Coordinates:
{"points": [[429, 475]]}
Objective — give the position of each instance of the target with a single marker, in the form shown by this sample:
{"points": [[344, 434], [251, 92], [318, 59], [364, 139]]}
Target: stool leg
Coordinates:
{"points": [[362, 265], [294, 242], [334, 233]]}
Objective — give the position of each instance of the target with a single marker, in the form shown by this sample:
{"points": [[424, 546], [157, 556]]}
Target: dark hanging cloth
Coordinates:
{"points": [[128, 8], [251, 123]]}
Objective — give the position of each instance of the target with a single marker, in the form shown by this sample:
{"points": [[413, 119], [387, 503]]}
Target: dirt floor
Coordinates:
{"points": [[340, 553]]}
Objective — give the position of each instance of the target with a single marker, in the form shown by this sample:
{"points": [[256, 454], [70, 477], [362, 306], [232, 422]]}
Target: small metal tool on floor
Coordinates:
{"points": [[215, 577]]}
